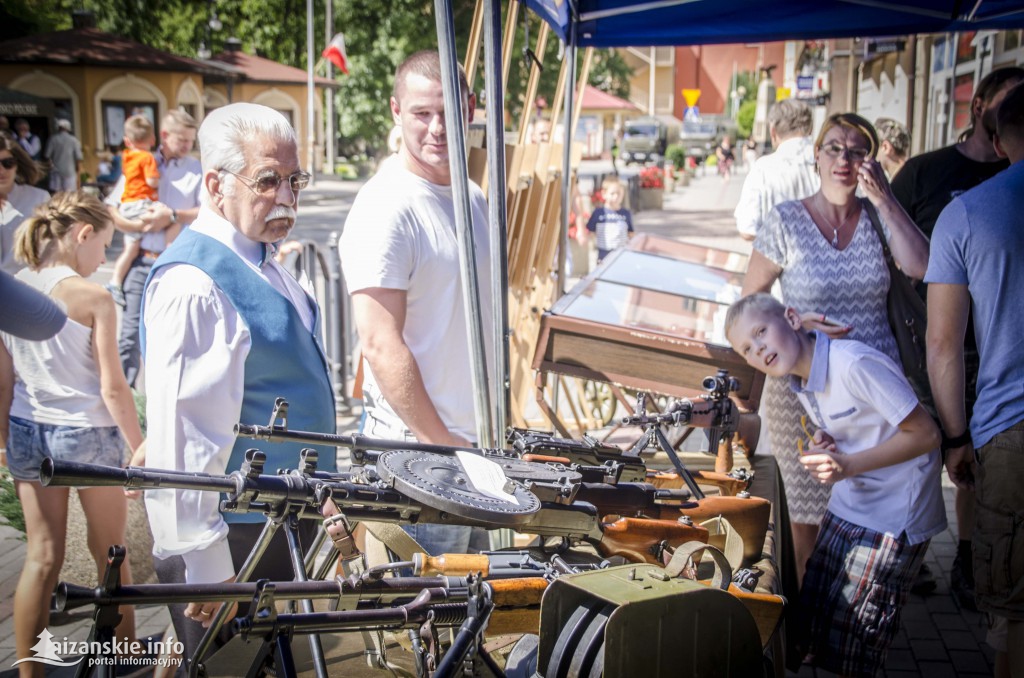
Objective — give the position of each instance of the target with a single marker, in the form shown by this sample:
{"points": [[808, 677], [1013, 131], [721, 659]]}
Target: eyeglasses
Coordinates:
{"points": [[854, 154], [269, 182], [8, 163]]}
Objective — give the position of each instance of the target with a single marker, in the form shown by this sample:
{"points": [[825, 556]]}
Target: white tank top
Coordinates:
{"points": [[57, 381]]}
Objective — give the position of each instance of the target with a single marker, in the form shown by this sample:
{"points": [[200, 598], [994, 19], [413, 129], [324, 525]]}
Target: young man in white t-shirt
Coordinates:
{"points": [[880, 449], [399, 254]]}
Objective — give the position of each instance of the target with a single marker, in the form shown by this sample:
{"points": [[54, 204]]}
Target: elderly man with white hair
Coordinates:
{"points": [[226, 331]]}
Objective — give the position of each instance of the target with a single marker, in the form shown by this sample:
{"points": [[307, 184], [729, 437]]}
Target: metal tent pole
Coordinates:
{"points": [[570, 95], [497, 216], [456, 134], [310, 110]]}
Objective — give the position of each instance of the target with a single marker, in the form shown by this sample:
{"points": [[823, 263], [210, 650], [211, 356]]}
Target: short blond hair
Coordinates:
{"points": [[760, 302], [137, 129], [610, 181]]}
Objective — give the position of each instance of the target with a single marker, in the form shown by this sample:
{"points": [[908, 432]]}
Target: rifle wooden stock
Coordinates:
{"points": [[748, 515], [726, 484], [451, 564], [518, 591], [633, 538], [546, 458], [516, 605]]}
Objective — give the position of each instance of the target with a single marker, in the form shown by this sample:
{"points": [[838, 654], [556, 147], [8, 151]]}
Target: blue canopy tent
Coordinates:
{"points": [[620, 23]]}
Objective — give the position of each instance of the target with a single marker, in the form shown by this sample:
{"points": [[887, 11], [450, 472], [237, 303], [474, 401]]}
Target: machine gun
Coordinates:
{"points": [[595, 461], [413, 487], [444, 592]]}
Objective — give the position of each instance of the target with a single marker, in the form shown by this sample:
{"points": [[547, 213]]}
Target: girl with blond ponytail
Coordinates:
{"points": [[65, 398]]}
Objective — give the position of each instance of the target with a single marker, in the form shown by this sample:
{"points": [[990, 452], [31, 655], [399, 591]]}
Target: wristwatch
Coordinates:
{"points": [[955, 442]]}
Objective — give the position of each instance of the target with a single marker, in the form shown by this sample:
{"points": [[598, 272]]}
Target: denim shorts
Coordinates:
{"points": [[29, 443]]}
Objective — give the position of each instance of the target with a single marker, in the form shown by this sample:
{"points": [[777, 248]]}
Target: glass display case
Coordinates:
{"points": [[650, 317]]}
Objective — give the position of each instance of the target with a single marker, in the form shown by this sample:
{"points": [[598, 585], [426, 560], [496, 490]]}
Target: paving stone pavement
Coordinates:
{"points": [[936, 637]]}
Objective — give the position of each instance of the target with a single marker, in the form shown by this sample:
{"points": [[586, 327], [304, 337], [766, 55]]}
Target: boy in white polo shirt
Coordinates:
{"points": [[881, 450]]}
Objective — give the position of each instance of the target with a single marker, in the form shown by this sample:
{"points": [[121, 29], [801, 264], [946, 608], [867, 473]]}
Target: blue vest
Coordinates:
{"points": [[284, 359]]}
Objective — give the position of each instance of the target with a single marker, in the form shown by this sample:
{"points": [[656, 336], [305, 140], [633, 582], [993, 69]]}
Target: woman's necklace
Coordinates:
{"points": [[841, 226]]}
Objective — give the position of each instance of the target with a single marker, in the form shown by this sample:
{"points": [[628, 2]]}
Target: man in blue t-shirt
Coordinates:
{"points": [[612, 223], [976, 258]]}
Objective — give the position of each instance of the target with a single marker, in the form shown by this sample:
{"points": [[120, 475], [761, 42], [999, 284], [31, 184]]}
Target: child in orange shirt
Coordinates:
{"points": [[141, 178]]}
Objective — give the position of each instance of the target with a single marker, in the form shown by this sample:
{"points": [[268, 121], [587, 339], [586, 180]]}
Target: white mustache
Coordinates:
{"points": [[281, 212]]}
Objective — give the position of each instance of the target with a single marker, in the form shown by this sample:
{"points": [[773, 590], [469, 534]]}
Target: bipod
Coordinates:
{"points": [[653, 433], [287, 514], [105, 619]]}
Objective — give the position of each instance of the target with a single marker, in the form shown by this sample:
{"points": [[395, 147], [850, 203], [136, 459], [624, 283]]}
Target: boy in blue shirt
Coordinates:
{"points": [[612, 223], [879, 448]]}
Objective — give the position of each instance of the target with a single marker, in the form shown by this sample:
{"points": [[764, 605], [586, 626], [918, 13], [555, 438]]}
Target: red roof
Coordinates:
{"points": [[258, 69], [595, 98], [93, 47]]}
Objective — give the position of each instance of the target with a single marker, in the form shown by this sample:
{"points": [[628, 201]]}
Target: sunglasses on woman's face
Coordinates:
{"points": [[834, 150], [8, 163]]}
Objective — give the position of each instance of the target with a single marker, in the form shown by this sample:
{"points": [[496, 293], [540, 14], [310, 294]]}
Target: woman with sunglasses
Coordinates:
{"points": [[828, 260], [18, 197]]}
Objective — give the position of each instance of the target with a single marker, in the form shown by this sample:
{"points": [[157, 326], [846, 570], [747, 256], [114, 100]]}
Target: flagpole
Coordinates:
{"points": [[310, 112], [329, 109]]}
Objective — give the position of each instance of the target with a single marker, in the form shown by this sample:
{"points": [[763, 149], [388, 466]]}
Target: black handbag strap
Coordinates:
{"points": [[877, 225], [872, 216]]}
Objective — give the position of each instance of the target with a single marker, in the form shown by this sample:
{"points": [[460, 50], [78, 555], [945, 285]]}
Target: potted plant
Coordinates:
{"points": [[652, 188]]}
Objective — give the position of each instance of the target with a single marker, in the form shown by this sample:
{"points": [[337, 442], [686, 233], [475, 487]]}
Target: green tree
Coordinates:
{"points": [[377, 36], [610, 73], [745, 119], [747, 80]]}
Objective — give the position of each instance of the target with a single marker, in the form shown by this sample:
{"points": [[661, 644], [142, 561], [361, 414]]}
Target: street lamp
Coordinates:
{"points": [[213, 24]]}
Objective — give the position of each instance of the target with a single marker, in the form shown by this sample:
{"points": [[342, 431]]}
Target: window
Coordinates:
{"points": [[965, 50], [963, 90], [116, 112], [1011, 40]]}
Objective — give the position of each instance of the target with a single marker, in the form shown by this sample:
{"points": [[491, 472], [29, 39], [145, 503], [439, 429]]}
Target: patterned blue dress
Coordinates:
{"points": [[848, 285]]}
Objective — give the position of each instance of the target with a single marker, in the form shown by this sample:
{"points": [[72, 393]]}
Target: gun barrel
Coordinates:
{"points": [[275, 434], [72, 596], [60, 473]]}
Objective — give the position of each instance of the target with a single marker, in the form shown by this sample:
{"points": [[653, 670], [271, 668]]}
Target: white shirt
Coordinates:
{"points": [[19, 205], [31, 143], [786, 174], [400, 234], [57, 380], [859, 396], [196, 346]]}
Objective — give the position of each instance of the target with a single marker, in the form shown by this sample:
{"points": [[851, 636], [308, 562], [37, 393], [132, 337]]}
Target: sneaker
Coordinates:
{"points": [[924, 581], [117, 293], [961, 584]]}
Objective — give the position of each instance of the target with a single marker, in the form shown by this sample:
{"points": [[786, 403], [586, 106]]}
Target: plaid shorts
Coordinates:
{"points": [[856, 583]]}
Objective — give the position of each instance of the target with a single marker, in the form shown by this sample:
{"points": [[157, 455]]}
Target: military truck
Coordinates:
{"points": [[645, 139], [700, 135]]}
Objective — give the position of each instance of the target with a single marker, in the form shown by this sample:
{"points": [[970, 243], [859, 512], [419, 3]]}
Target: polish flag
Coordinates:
{"points": [[335, 53]]}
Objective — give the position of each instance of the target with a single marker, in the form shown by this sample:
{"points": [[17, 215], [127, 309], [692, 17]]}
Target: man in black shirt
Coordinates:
{"points": [[925, 185]]}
